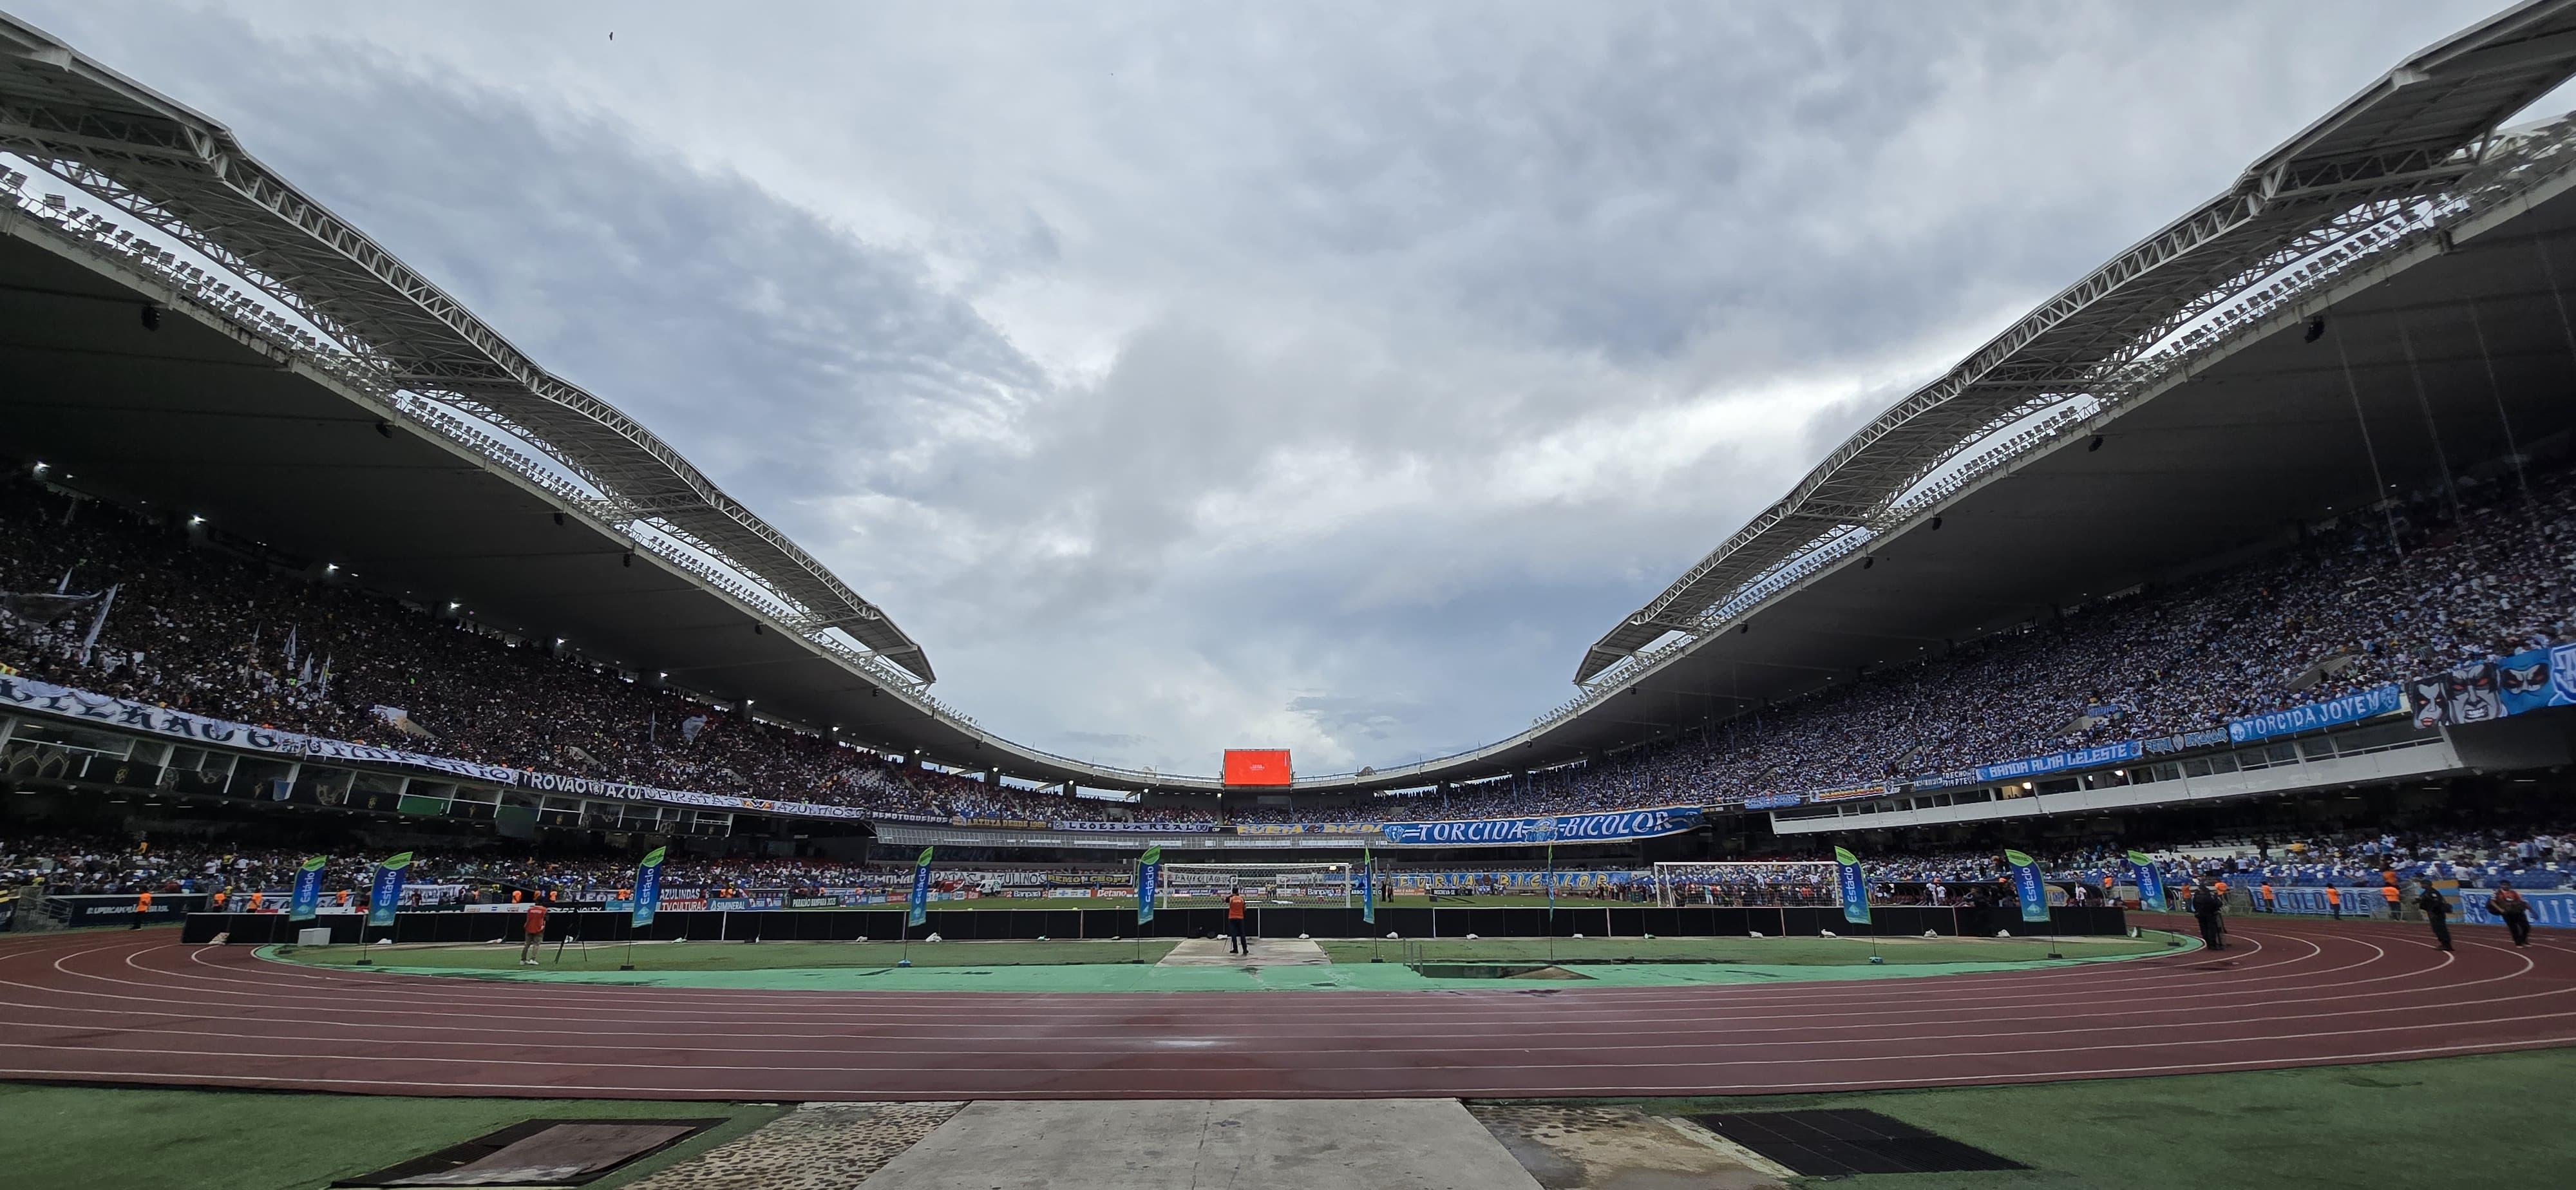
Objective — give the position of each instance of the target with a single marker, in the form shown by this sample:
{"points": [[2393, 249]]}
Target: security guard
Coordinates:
{"points": [[2206, 904]]}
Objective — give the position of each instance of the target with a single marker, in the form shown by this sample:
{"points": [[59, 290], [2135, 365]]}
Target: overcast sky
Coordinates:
{"points": [[1193, 376]]}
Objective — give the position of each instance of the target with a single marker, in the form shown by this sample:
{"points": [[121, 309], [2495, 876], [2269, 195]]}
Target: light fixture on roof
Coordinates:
{"points": [[330, 568], [196, 520], [41, 468]]}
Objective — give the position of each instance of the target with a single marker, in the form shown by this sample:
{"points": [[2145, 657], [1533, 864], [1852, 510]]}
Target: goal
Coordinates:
{"points": [[1302, 884], [1766, 884]]}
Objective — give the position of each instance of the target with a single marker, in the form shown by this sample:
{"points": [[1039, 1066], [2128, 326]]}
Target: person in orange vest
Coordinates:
{"points": [[344, 898], [2388, 893], [514, 896], [220, 896], [536, 926], [257, 899], [1234, 923], [2334, 902], [142, 905], [2267, 895]]}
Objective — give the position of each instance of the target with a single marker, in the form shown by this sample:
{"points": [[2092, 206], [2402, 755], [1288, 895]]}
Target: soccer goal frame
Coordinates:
{"points": [[1336, 878], [1674, 877]]}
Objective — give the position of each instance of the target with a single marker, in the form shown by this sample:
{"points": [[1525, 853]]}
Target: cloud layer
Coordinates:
{"points": [[1190, 377]]}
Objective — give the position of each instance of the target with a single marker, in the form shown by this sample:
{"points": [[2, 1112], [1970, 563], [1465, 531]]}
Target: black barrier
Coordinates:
{"points": [[960, 925]]}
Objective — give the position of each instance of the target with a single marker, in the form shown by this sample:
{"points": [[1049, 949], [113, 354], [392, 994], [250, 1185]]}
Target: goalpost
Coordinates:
{"points": [[1763, 884], [1292, 883]]}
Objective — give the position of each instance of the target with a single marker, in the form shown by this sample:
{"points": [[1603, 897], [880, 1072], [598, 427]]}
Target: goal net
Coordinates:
{"points": [[1756, 884], [1277, 883]]}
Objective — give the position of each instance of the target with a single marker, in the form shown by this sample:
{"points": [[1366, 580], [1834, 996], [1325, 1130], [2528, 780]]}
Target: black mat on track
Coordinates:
{"points": [[1848, 1141]]}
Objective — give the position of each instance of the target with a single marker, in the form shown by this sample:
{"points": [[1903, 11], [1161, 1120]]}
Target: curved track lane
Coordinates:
{"points": [[139, 1008]]}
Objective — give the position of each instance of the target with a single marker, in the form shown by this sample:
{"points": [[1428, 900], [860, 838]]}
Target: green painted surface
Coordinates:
{"points": [[958, 973], [2479, 1121], [464, 957]]}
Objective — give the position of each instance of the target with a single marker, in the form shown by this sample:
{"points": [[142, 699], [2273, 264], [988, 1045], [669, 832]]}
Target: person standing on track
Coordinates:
{"points": [[2436, 910], [2334, 902], [2206, 904], [2266, 903], [143, 905], [1234, 924], [536, 935], [2507, 903]]}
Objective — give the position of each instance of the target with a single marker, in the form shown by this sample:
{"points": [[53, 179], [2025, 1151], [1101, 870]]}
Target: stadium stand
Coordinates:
{"points": [[2481, 570]]}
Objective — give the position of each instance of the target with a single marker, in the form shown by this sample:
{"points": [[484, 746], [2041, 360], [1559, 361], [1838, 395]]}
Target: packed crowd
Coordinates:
{"points": [[2485, 572]]}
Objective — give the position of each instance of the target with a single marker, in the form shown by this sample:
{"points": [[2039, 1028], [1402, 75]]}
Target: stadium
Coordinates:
{"points": [[2165, 709]]}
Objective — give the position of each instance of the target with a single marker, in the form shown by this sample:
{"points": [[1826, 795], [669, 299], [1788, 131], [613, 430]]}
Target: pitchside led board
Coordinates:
{"points": [[1256, 766]]}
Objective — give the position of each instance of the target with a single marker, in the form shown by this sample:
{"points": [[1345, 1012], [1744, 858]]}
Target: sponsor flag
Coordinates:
{"points": [[387, 892], [1855, 886], [1368, 885], [307, 899], [1149, 881], [2150, 882], [920, 911], [2027, 886], [648, 888]]}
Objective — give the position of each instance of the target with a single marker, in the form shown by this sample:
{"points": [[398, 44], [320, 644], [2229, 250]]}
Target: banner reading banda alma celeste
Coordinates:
{"points": [[1561, 828]]}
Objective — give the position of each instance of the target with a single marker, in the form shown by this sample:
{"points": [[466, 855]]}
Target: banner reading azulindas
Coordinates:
{"points": [[307, 898], [1149, 881], [920, 911], [648, 888], [1855, 887], [2150, 882], [2028, 886], [386, 893]]}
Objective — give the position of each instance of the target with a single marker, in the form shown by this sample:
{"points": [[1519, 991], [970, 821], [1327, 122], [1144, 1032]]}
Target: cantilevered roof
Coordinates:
{"points": [[187, 176], [2402, 141]]}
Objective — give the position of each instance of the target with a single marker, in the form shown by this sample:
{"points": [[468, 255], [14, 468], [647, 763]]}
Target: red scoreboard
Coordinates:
{"points": [[1256, 766]]}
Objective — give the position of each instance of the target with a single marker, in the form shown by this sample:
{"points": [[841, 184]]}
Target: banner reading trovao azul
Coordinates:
{"points": [[1562, 828]]}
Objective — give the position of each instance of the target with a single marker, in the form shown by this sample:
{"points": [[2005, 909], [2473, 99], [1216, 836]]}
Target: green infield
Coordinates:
{"points": [[1761, 951], [98, 1138], [728, 956], [2475, 1121]]}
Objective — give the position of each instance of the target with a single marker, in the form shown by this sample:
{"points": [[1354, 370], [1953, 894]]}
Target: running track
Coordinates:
{"points": [[139, 1008]]}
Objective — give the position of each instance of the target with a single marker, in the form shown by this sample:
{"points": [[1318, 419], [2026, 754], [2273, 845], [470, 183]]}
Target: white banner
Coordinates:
{"points": [[23, 694]]}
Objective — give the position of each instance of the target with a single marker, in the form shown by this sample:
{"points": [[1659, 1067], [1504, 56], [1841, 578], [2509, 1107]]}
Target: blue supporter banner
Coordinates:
{"points": [[1563, 828], [1855, 887], [2059, 762], [1149, 881], [386, 893], [2333, 712], [2027, 886], [2522, 681], [2562, 676], [306, 900], [1774, 801], [648, 888], [2555, 909]]}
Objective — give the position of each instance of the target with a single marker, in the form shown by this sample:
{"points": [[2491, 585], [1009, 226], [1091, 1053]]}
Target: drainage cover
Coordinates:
{"points": [[1848, 1141]]}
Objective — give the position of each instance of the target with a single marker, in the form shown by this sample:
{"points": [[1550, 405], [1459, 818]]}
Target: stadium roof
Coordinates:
{"points": [[2419, 129], [349, 411], [187, 176]]}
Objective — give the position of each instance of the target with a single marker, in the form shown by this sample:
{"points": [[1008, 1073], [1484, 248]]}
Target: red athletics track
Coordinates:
{"points": [[139, 1008]]}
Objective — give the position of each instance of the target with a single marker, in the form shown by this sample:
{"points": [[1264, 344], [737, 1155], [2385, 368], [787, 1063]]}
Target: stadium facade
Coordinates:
{"points": [[2370, 311]]}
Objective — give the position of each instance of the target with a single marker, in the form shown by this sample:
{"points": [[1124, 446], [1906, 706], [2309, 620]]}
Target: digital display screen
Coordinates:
{"points": [[1256, 766]]}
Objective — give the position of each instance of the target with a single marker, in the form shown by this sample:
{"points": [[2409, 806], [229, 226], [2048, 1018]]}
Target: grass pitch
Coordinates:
{"points": [[734, 956], [1790, 952]]}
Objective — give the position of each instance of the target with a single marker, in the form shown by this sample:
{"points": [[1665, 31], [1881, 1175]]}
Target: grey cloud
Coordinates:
{"points": [[1409, 347]]}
